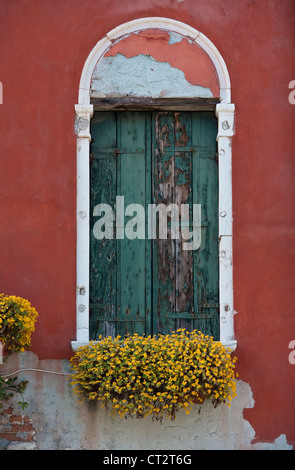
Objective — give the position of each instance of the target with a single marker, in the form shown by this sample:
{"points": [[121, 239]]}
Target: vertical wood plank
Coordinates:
{"points": [[206, 259], [183, 195], [163, 249], [103, 260], [132, 270]]}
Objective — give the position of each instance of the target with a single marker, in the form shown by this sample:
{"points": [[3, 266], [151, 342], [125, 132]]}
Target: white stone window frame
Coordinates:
{"points": [[225, 114]]}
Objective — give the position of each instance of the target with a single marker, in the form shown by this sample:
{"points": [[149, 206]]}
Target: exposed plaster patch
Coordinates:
{"points": [[141, 76], [174, 38], [280, 443]]}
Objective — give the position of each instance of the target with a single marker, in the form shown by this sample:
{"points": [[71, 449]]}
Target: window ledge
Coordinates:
{"points": [[231, 345]]}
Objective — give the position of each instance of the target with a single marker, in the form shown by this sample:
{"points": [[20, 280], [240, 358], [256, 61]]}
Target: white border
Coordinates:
{"points": [[225, 114]]}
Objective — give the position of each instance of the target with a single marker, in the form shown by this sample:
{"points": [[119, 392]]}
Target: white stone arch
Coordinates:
{"points": [[225, 115]]}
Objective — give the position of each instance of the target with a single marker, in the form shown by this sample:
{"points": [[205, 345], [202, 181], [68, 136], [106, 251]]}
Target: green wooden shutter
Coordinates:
{"points": [[154, 286], [119, 268]]}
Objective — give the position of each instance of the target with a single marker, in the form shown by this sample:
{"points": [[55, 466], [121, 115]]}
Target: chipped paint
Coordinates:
{"points": [[174, 37], [172, 48], [149, 78]]}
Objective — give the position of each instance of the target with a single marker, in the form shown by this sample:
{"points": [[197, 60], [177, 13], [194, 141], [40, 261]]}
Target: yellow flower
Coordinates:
{"points": [[17, 320], [170, 371]]}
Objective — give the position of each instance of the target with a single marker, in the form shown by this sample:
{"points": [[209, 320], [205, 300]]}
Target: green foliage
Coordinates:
{"points": [[8, 387]]}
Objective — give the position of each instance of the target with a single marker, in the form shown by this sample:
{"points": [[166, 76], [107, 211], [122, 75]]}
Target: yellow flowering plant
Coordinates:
{"points": [[157, 376], [17, 323]]}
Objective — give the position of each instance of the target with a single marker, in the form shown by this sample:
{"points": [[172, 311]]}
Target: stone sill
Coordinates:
{"points": [[230, 345]]}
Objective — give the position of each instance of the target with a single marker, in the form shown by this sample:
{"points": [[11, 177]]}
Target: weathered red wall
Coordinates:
{"points": [[43, 46]]}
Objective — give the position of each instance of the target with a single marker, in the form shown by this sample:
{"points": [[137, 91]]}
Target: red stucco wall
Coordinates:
{"points": [[43, 46]]}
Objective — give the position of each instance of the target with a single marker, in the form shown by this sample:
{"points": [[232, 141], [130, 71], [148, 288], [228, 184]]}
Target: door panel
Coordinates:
{"points": [[119, 268]]}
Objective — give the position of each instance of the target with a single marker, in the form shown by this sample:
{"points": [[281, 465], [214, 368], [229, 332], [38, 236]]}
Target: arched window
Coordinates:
{"points": [[154, 125]]}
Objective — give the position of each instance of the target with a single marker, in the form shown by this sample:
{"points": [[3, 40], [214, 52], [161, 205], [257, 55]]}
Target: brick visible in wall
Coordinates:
{"points": [[15, 427]]}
